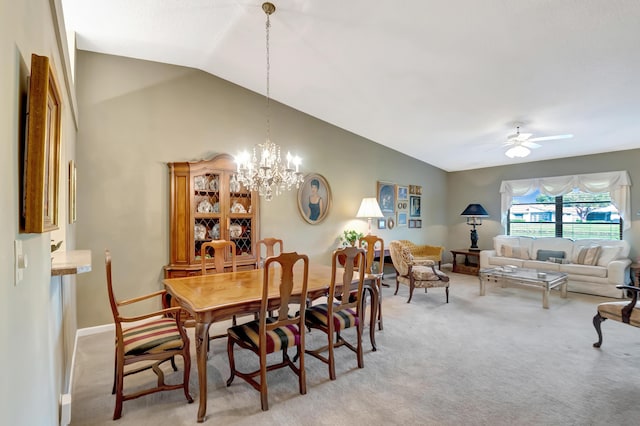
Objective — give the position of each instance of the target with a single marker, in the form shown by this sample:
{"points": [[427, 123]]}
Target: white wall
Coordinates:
{"points": [[32, 319], [137, 116]]}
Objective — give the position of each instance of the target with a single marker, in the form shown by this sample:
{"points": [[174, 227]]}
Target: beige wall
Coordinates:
{"points": [[483, 186], [36, 312], [136, 116]]}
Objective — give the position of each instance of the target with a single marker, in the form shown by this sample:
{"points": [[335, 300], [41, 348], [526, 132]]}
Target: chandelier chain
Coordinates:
{"points": [[266, 170], [268, 26]]}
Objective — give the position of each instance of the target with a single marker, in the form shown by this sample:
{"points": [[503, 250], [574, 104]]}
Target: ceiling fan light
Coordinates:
{"points": [[517, 151]]}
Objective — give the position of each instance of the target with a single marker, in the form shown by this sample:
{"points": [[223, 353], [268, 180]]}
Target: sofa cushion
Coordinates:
{"points": [[587, 255], [552, 243], [515, 251], [608, 254], [504, 261], [541, 265], [586, 270], [546, 254]]}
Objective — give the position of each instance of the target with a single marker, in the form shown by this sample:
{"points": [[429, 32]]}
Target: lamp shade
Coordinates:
{"points": [[369, 208], [475, 210]]}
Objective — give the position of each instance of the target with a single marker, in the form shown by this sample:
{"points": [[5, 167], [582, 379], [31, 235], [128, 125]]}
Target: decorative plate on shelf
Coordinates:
{"points": [[238, 208], [234, 185], [216, 207], [205, 207], [214, 233], [235, 230], [199, 231], [200, 183], [213, 185]]}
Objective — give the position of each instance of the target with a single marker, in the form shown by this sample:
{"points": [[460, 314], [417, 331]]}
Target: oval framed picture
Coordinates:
{"points": [[314, 198], [391, 222]]}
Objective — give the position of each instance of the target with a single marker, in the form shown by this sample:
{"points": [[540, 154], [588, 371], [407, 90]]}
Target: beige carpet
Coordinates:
{"points": [[500, 359]]}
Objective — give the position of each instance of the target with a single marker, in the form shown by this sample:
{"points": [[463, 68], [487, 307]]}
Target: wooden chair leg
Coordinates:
{"points": [[597, 320], [447, 293], [232, 362], [264, 396]]}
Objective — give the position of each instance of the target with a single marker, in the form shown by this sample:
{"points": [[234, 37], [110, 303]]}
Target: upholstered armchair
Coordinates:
{"points": [[622, 311], [425, 252], [415, 272]]}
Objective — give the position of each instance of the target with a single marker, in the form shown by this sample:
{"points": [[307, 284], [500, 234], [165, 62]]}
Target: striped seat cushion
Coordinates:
{"points": [[345, 318], [152, 337], [277, 339]]}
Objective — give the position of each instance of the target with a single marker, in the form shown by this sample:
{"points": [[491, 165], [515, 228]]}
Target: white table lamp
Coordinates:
{"points": [[369, 209]]}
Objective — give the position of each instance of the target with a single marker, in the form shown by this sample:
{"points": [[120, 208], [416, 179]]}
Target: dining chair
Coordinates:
{"points": [[374, 270], [270, 249], [273, 334], [155, 336], [342, 310], [220, 250]]}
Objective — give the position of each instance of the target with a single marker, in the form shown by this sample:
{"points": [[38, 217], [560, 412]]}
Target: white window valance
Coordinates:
{"points": [[616, 183]]}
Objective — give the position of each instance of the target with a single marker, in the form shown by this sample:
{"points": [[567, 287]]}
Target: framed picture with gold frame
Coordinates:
{"points": [[72, 192], [42, 149], [314, 198]]}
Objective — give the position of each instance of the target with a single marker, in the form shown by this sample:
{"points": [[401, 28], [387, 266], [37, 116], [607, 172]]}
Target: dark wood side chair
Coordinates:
{"points": [[156, 336], [342, 310], [269, 245], [621, 311], [374, 270], [273, 334]]}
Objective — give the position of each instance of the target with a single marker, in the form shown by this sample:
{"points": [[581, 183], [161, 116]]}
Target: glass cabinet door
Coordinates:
{"points": [[240, 217], [207, 204]]}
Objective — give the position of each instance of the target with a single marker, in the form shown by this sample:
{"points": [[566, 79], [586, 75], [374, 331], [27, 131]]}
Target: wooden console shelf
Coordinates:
{"points": [[471, 264]]}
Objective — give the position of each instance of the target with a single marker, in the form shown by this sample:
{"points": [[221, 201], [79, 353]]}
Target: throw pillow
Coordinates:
{"points": [[608, 254], [515, 251], [560, 260], [546, 254], [588, 255]]}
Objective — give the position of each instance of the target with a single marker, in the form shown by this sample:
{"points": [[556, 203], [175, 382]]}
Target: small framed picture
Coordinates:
{"points": [[418, 223], [382, 223], [402, 219], [412, 223], [391, 222], [402, 193], [414, 206]]}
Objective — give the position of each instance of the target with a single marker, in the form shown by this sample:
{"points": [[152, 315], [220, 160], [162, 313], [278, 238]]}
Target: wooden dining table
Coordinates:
{"points": [[217, 297]]}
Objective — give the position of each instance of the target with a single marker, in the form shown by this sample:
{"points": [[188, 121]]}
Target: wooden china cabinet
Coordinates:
{"points": [[208, 203]]}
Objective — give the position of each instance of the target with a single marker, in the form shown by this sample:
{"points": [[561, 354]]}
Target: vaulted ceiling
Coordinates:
{"points": [[444, 81]]}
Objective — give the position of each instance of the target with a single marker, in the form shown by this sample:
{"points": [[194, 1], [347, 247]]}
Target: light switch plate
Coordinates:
{"points": [[18, 257]]}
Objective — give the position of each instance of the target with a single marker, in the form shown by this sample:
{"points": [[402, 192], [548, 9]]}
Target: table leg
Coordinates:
{"points": [[481, 287], [202, 346], [373, 291], [545, 297], [563, 290]]}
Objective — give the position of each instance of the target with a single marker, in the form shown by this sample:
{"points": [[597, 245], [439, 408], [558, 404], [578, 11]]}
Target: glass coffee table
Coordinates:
{"points": [[531, 277]]}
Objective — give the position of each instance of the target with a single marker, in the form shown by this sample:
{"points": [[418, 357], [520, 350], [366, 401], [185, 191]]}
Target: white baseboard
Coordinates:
{"points": [[65, 399]]}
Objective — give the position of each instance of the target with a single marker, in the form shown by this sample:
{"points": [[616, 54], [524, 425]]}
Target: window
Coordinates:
{"points": [[573, 215]]}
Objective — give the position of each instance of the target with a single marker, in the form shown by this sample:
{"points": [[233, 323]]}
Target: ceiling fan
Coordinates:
{"points": [[521, 144]]}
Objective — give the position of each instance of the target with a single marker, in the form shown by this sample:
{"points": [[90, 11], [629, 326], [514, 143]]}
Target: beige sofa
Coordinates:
{"points": [[610, 268]]}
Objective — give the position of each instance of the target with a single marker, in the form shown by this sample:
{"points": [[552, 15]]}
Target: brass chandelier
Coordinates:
{"points": [[265, 170]]}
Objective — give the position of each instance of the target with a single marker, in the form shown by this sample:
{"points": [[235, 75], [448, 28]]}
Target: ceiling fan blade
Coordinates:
{"points": [[530, 144], [523, 136], [550, 138]]}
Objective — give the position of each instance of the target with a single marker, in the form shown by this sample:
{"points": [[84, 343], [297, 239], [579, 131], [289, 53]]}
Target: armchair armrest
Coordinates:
{"points": [[423, 262], [140, 298]]}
